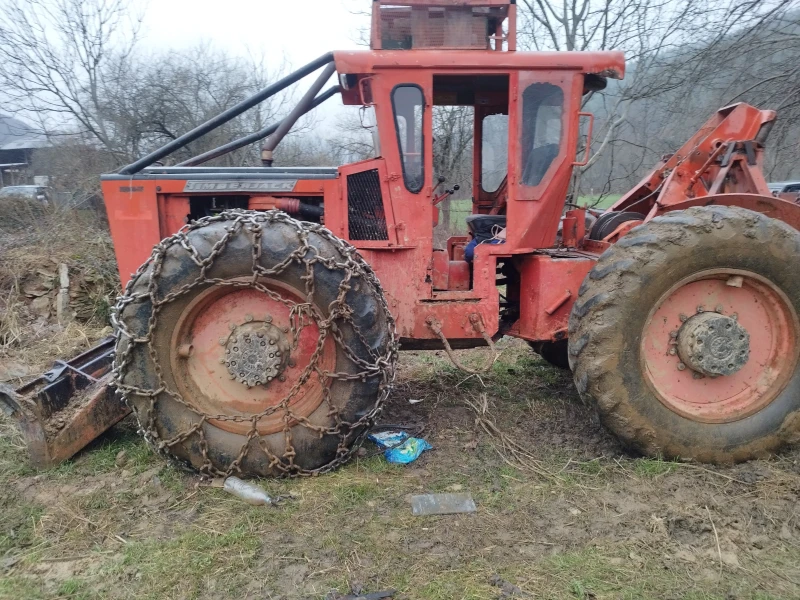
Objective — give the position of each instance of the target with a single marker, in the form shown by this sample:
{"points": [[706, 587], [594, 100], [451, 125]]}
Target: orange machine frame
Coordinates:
{"points": [[145, 204]]}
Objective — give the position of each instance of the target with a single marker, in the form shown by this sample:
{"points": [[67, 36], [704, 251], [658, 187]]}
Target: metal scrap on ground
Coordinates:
{"points": [[442, 504]]}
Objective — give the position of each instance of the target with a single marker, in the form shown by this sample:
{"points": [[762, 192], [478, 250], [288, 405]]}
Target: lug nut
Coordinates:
{"points": [[232, 326], [683, 318], [701, 308], [248, 318], [681, 366], [697, 375], [282, 378], [673, 334], [719, 308], [672, 351], [268, 319], [223, 341]]}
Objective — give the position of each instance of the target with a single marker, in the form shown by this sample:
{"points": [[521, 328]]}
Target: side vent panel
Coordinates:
{"points": [[365, 214]]}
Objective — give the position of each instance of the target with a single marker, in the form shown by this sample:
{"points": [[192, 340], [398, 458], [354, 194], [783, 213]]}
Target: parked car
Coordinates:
{"points": [[785, 189], [28, 192]]}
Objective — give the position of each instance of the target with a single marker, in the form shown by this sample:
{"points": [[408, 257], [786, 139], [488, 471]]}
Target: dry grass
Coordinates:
{"points": [[588, 522], [20, 214], [29, 259], [563, 511]]}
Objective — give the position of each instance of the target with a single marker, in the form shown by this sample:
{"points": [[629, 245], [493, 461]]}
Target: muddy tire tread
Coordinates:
{"points": [[597, 319]]}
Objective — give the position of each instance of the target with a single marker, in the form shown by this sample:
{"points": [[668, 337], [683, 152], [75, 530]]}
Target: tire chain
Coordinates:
{"points": [[382, 363]]}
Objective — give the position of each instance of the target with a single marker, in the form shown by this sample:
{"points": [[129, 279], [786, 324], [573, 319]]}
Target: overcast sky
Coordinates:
{"points": [[300, 29]]}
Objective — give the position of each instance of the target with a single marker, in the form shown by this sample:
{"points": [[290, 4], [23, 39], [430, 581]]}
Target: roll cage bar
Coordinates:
{"points": [[277, 130]]}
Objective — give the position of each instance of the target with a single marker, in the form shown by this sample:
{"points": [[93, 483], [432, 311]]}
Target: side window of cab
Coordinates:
{"points": [[542, 112], [408, 104]]}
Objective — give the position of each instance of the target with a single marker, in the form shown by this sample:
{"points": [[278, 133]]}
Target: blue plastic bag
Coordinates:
{"points": [[400, 447]]}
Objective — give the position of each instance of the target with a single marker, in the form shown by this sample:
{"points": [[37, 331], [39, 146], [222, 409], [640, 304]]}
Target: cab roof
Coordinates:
{"points": [[360, 62]]}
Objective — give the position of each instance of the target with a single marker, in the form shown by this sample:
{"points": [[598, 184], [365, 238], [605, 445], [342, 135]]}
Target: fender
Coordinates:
{"points": [[775, 208]]}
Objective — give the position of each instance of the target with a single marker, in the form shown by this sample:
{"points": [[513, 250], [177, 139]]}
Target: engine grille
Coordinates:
{"points": [[366, 217]]}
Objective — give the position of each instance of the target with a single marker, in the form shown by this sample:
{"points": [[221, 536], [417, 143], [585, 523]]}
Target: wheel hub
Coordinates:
{"points": [[725, 364], [255, 353], [713, 344]]}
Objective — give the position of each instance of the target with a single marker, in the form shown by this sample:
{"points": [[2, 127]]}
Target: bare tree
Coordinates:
{"points": [[150, 100], [667, 44], [52, 59], [452, 157], [355, 135], [764, 69], [73, 66]]}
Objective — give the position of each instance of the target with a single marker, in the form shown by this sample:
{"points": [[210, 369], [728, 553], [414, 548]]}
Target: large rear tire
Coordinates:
{"points": [[685, 335], [254, 344]]}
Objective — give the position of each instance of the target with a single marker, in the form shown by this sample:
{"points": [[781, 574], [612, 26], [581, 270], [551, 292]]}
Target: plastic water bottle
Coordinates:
{"points": [[252, 494]]}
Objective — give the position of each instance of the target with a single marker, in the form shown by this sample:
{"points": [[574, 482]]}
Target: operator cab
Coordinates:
{"points": [[479, 129]]}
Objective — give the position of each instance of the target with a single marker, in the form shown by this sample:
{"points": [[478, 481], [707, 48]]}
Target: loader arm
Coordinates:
{"points": [[724, 156]]}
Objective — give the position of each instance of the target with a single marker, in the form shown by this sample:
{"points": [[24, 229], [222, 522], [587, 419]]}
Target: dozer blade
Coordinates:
{"points": [[63, 410]]}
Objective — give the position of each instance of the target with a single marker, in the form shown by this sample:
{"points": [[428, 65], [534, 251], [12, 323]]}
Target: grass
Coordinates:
{"points": [[185, 564], [31, 257], [604, 201], [600, 524], [654, 467]]}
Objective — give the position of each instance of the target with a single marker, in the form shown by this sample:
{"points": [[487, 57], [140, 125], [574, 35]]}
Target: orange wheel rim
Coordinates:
{"points": [[236, 323], [725, 367]]}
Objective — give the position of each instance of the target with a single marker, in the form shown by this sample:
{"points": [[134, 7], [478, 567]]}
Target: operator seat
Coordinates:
{"points": [[482, 226], [483, 229]]}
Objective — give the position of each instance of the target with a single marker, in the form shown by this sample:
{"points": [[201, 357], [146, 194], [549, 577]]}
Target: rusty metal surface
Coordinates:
{"points": [[713, 344], [721, 158], [63, 410], [221, 327], [714, 391]]}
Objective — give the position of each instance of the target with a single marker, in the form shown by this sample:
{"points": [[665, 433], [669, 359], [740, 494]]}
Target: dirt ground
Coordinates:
{"points": [[567, 515], [562, 510]]}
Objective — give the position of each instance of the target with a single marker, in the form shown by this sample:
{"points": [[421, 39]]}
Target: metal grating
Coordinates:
{"points": [[365, 214]]}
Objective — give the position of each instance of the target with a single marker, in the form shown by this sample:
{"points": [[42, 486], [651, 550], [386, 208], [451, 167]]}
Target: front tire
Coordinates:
{"points": [[254, 344], [685, 336]]}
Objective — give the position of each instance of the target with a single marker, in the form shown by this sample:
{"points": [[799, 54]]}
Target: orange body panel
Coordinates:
{"points": [[134, 220], [553, 291]]}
